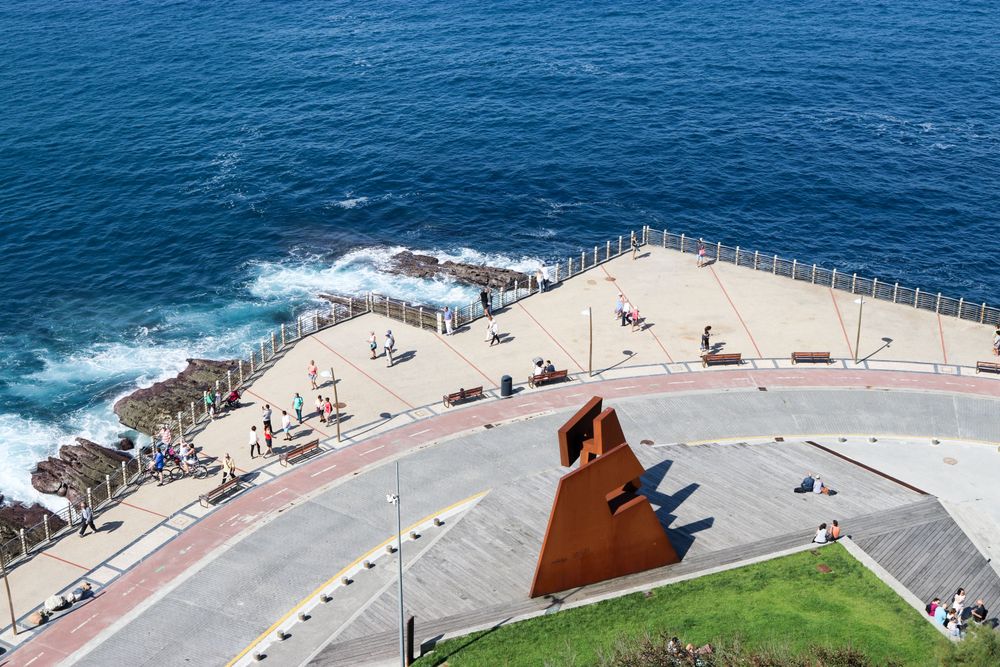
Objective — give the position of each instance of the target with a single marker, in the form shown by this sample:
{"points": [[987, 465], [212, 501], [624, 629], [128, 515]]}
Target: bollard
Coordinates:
{"points": [[281, 635], [583, 260], [324, 598], [368, 565], [258, 656], [556, 279], [982, 313], [569, 267], [841, 439], [664, 237], [814, 275], [346, 581], [937, 306], [414, 535], [389, 549], [438, 522], [595, 256], [872, 439], [935, 441], [854, 283], [961, 301], [350, 307], [303, 616], [420, 315], [718, 251]]}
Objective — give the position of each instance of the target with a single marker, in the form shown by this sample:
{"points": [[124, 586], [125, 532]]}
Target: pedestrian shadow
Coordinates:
{"points": [[403, 357], [507, 338], [110, 526], [716, 348]]}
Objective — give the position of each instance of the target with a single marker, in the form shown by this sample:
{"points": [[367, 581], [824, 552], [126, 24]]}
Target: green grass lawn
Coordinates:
{"points": [[786, 602]]}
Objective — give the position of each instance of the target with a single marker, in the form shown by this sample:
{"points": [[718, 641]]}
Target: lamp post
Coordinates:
{"points": [[393, 499], [857, 341], [10, 599], [589, 313]]}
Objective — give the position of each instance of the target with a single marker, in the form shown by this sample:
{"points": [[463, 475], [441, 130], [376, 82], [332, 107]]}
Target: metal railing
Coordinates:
{"points": [[34, 538], [838, 280]]}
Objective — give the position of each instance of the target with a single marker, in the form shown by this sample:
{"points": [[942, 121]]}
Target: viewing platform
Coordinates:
{"points": [[225, 577]]}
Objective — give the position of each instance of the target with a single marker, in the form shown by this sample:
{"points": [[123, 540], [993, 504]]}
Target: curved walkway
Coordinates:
{"points": [[254, 584]]}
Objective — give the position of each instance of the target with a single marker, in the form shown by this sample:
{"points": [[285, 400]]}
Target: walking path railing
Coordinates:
{"points": [[838, 280]]}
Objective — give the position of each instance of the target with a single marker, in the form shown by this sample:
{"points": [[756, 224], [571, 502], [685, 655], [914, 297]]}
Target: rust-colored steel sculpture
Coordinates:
{"points": [[600, 527]]}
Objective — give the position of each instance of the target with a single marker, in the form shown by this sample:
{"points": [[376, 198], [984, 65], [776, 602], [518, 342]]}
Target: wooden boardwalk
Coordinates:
{"points": [[721, 504]]}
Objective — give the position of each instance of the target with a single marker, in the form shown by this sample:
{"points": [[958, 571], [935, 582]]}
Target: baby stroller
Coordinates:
{"points": [[233, 400]]}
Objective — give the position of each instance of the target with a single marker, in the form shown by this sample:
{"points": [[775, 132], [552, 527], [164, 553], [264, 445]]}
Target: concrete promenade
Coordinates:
{"points": [[763, 317]]}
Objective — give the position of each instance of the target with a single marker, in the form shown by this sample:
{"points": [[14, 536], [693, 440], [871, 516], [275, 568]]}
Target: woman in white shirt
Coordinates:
{"points": [[820, 534]]}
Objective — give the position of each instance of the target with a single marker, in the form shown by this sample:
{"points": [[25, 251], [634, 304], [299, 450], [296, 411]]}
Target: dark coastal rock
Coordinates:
{"points": [[126, 444], [145, 409], [425, 266], [77, 468], [17, 515]]}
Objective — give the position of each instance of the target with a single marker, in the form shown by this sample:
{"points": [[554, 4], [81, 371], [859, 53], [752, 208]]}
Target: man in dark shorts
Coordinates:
{"points": [[979, 612]]}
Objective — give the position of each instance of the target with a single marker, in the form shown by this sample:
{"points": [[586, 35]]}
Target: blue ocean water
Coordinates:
{"points": [[177, 176]]}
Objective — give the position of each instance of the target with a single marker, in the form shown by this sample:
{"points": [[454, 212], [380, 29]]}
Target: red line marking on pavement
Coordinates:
{"points": [[63, 560], [521, 306], [944, 350], [735, 310], [268, 402], [847, 340], [164, 516], [358, 369], [655, 337], [488, 379]]}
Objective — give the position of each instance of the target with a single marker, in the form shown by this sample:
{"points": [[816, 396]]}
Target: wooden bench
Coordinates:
{"points": [[987, 366], [812, 357], [221, 491], [461, 396], [712, 359], [296, 452], [545, 378]]}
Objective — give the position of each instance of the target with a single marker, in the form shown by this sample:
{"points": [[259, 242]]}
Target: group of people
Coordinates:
{"points": [[688, 654], [956, 616], [627, 313], [214, 403], [388, 347], [813, 483], [540, 367], [825, 534], [165, 450]]}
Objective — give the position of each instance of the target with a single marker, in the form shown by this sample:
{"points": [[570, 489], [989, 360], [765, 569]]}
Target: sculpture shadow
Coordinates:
{"points": [[664, 505]]}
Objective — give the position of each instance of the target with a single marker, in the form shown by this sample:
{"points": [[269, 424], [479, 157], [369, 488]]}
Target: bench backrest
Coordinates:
{"points": [[308, 445]]}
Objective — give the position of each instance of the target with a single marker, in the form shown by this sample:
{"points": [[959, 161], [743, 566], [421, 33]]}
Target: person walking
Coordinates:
{"points": [[312, 371], [372, 344], [209, 400], [493, 329], [702, 256], [218, 401], [626, 312], [267, 417], [619, 304], [86, 519], [448, 324], [996, 342], [327, 410], [484, 298], [319, 407], [634, 316], [297, 404], [253, 442], [705, 335], [268, 442], [388, 345], [228, 468], [286, 424]]}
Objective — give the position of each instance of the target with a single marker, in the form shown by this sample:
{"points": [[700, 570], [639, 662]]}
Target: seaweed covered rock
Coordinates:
{"points": [[16, 515], [145, 409], [77, 468]]}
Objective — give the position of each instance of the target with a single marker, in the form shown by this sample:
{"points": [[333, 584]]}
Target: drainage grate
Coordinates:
{"points": [[761, 388], [648, 443], [487, 425]]}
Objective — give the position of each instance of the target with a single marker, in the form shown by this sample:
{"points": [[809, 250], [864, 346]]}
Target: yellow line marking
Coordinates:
{"points": [[819, 436], [353, 564]]}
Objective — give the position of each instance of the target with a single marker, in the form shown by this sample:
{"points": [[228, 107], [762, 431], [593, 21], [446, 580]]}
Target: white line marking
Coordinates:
{"points": [[631, 386], [320, 472], [372, 450], [35, 658], [413, 435], [680, 382], [89, 618], [278, 493]]}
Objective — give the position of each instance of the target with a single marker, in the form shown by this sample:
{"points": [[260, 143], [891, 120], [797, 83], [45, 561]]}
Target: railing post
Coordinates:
{"points": [[736, 260], [960, 303], [263, 359], [315, 320], [298, 322], [24, 542], [756, 258], [283, 342], [194, 417], [916, 297], [814, 275], [583, 260], [663, 237], [874, 285], [569, 267], [595, 264], [607, 253], [556, 277], [619, 245], [229, 380], [795, 264], [774, 266], [833, 279], [718, 251], [180, 422], [333, 313], [124, 474], [241, 371], [107, 482], [503, 297], [895, 292], [350, 307], [982, 314], [403, 306], [387, 307], [90, 499], [440, 326], [682, 243], [645, 234], [45, 523], [854, 283], [937, 308]]}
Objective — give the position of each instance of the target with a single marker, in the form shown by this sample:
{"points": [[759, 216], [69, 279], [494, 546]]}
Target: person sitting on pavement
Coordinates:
{"points": [[819, 486], [932, 606], [953, 625], [979, 612], [820, 534], [833, 533], [940, 615], [807, 483]]}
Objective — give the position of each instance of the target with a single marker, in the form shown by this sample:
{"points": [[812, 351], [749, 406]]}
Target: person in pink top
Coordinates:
{"points": [[313, 371]]}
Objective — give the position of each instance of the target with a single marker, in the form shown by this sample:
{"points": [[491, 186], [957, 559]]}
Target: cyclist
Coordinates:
{"points": [[187, 457]]}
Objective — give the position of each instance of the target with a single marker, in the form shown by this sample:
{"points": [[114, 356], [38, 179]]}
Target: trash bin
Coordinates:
{"points": [[506, 386]]}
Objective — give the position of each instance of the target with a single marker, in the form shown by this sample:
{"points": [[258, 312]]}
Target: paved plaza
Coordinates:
{"points": [[222, 578]]}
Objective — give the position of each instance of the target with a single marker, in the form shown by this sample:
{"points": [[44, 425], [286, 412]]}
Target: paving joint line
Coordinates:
{"points": [[735, 309]]}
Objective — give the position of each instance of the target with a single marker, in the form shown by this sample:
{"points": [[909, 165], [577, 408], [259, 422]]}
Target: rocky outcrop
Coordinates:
{"points": [[424, 266], [77, 468], [126, 444], [16, 515], [145, 409]]}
